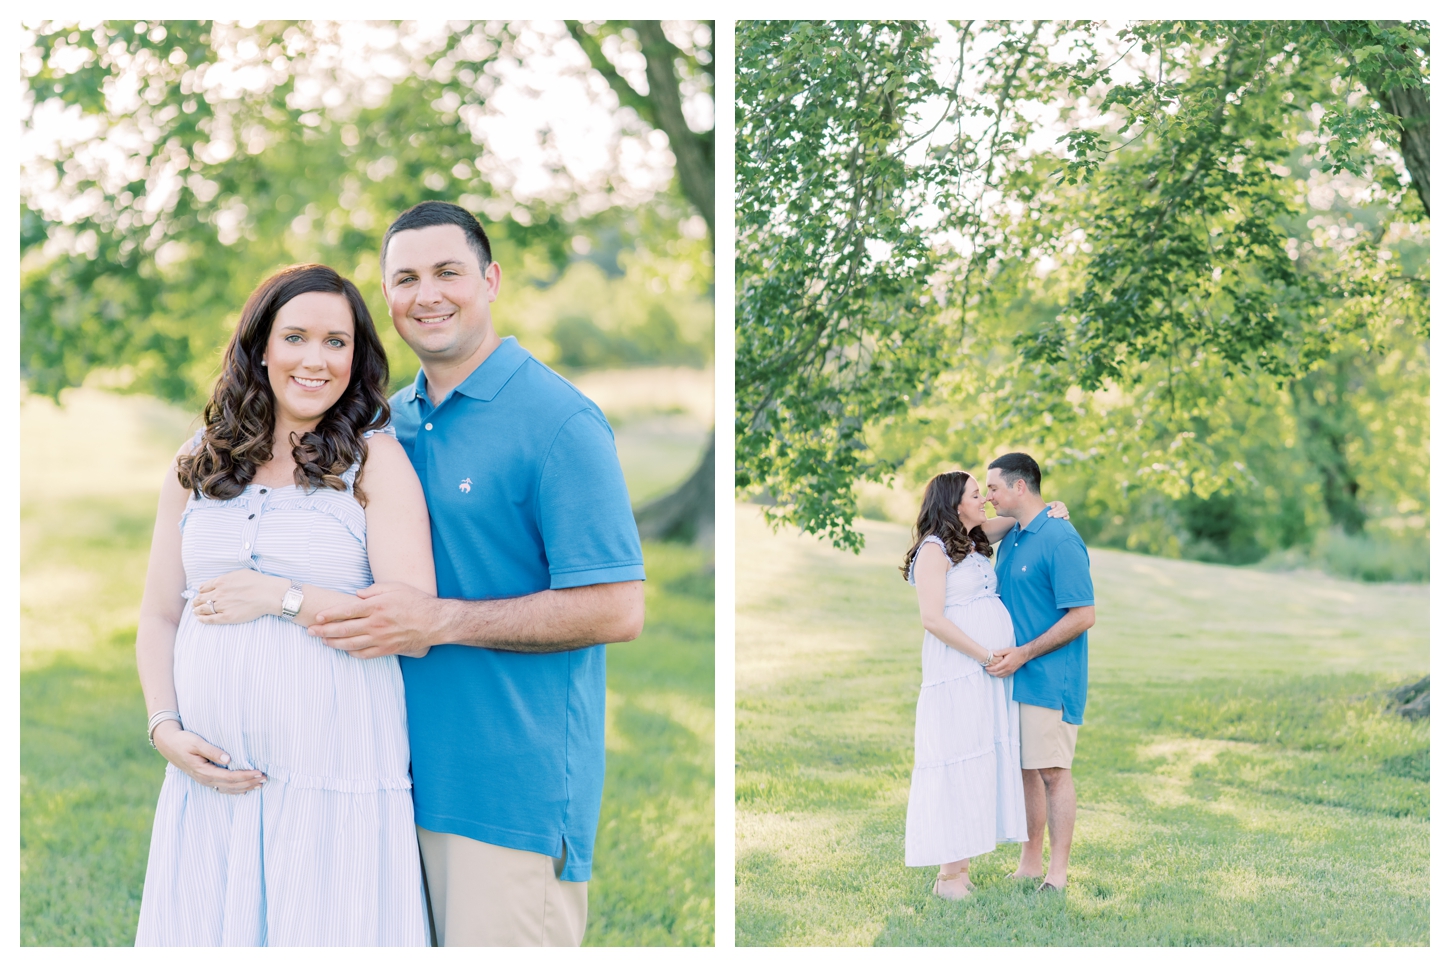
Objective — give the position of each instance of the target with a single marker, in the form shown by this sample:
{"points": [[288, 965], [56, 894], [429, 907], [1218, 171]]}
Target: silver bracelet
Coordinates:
{"points": [[166, 714], [991, 656]]}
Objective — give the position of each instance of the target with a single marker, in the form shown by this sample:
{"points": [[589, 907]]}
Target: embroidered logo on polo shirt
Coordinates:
{"points": [[466, 485]]}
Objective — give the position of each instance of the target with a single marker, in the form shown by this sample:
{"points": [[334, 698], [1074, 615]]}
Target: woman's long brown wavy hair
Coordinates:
{"points": [[938, 518], [241, 415]]}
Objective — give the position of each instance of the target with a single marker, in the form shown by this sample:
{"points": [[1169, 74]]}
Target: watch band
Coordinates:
{"points": [[292, 601]]}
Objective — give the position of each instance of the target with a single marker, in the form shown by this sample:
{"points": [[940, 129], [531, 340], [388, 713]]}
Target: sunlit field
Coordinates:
{"points": [[1239, 780], [661, 418], [89, 478]]}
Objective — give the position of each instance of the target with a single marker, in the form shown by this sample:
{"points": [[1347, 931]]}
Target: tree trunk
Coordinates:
{"points": [[1412, 701], [1326, 424], [686, 514], [1412, 107], [693, 159]]}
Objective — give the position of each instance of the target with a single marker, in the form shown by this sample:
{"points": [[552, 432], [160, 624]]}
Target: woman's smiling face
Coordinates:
{"points": [[972, 511], [309, 355]]}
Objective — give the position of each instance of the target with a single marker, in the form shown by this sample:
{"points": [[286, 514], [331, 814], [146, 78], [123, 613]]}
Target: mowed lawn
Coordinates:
{"points": [[89, 781], [1238, 779]]}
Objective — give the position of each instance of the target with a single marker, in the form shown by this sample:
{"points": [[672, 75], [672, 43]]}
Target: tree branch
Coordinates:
{"points": [[694, 162]]}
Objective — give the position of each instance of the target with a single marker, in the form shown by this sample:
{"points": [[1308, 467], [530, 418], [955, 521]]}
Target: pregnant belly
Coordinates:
{"points": [[276, 699], [985, 621]]}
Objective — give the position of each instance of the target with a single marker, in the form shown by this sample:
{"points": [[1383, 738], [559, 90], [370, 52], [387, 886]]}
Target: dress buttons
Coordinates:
{"points": [[264, 490], [427, 426], [250, 516], [246, 547]]}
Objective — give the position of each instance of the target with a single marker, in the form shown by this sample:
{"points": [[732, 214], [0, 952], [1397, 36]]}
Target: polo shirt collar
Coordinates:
{"points": [[419, 387], [490, 375], [1036, 523]]}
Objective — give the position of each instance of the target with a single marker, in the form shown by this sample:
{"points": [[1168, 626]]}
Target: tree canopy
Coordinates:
{"points": [[1180, 261], [200, 156]]}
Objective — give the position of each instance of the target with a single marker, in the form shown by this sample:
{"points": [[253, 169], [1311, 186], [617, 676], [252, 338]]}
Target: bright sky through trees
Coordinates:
{"points": [[551, 128]]}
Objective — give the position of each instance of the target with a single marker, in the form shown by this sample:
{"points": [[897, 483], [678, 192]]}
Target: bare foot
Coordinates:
{"points": [[952, 886], [1022, 874]]}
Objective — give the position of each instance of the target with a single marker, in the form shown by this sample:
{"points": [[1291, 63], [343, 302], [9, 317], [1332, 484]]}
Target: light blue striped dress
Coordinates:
{"points": [[325, 852]]}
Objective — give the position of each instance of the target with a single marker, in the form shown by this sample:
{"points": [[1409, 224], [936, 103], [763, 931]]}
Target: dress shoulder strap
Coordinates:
{"points": [[350, 477], [386, 428], [929, 539]]}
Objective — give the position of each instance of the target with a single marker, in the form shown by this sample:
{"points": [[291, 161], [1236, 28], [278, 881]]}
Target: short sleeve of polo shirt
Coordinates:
{"points": [[584, 513], [1072, 580]]}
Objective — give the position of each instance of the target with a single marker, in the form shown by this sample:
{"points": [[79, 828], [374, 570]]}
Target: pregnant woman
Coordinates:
{"points": [[966, 788], [285, 817]]}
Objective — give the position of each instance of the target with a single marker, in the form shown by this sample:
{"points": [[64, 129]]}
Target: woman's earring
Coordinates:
{"points": [[264, 362]]}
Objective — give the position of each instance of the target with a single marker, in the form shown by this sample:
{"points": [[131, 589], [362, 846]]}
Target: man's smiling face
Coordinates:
{"points": [[438, 294], [1001, 496]]}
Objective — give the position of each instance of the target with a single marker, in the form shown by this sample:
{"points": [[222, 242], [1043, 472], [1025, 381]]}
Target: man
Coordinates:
{"points": [[1043, 578], [538, 560]]}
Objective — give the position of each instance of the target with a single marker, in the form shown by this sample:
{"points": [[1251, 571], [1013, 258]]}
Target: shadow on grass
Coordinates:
{"points": [[654, 870], [1278, 812], [87, 795], [1324, 740], [654, 879], [769, 923], [1115, 897]]}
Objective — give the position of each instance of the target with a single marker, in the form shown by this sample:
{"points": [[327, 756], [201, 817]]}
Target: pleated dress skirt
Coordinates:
{"points": [[966, 787]]}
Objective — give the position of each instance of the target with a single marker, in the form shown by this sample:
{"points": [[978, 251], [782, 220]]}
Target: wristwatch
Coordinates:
{"points": [[292, 601]]}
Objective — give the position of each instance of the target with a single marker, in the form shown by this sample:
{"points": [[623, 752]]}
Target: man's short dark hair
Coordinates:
{"points": [[1019, 466], [429, 213]]}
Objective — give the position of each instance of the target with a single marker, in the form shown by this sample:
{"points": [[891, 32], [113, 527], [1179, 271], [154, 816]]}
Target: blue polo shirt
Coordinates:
{"points": [[1042, 570], [525, 493]]}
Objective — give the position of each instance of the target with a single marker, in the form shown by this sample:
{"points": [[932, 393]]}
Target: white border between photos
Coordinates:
{"points": [[725, 485]]}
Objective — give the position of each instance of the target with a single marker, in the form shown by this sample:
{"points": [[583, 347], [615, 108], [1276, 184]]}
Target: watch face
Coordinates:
{"points": [[292, 602]]}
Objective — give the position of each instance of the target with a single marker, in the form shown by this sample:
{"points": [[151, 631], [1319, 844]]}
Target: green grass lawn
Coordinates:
{"points": [[89, 781], [1238, 780]]}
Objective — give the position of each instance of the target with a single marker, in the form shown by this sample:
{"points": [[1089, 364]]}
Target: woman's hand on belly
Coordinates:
{"points": [[203, 761], [238, 597]]}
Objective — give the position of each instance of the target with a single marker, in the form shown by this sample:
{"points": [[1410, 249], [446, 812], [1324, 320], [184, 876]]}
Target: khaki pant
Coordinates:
{"points": [[481, 895], [1047, 741]]}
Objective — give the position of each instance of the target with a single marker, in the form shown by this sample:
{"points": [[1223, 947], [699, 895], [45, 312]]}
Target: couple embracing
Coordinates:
{"points": [[1004, 674], [369, 638]]}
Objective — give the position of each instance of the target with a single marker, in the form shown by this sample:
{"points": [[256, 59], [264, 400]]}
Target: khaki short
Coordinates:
{"points": [[1047, 741], [481, 895]]}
